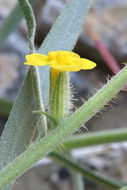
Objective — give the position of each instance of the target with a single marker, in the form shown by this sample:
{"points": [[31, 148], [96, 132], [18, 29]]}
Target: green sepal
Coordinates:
{"points": [[60, 97]]}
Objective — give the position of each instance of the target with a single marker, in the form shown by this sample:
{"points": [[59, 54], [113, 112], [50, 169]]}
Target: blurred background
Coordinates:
{"points": [[103, 40]]}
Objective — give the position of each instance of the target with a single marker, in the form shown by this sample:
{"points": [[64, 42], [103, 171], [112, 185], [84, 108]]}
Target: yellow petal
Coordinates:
{"points": [[52, 55], [65, 67], [69, 53], [37, 59], [55, 74], [85, 64], [60, 55]]}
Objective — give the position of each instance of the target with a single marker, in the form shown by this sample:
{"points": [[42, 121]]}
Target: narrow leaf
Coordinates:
{"points": [[20, 125]]}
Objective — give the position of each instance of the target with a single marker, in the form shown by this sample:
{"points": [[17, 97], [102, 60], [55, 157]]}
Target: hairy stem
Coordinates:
{"points": [[95, 138], [42, 124], [30, 21], [31, 26]]}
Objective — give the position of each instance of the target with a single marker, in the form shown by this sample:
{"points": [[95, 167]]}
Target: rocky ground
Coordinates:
{"points": [[47, 175]]}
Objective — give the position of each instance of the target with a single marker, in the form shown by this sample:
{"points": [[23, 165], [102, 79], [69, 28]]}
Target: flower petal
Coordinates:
{"points": [[85, 64], [65, 67], [52, 55], [69, 53], [60, 55], [37, 59]]}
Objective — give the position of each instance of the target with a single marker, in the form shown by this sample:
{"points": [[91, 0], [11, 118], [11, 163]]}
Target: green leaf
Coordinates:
{"points": [[66, 30], [21, 124]]}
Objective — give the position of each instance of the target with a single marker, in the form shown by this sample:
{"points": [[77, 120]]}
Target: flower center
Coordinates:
{"points": [[59, 57]]}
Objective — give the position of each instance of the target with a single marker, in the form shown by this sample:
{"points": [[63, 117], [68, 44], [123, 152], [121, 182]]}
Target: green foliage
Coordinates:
{"points": [[40, 148], [21, 125], [30, 21]]}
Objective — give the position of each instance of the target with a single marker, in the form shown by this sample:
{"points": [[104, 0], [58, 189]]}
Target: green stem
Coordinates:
{"points": [[47, 115], [76, 141], [95, 138], [30, 21], [42, 125], [86, 172], [76, 177], [77, 181], [124, 188], [41, 148], [31, 25]]}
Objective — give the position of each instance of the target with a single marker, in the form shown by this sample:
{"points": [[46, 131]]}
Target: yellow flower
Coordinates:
{"points": [[60, 61]]}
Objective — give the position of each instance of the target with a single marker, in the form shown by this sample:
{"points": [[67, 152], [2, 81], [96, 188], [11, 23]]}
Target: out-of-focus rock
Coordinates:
{"points": [[109, 160], [43, 178], [114, 115], [7, 4], [51, 10], [107, 20], [12, 69]]}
